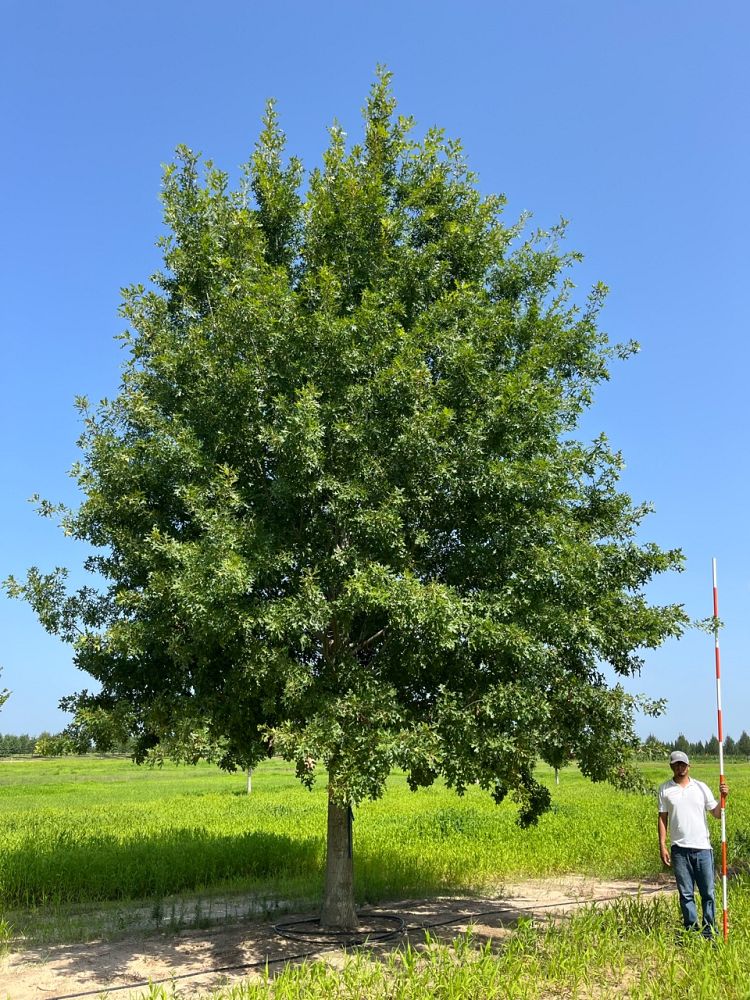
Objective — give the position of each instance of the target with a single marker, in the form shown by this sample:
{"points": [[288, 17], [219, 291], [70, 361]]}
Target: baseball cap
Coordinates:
{"points": [[678, 757]]}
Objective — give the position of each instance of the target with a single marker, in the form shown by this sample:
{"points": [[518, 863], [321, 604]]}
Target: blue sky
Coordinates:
{"points": [[629, 119]]}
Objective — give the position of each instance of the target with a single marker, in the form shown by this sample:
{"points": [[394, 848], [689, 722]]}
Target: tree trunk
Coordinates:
{"points": [[249, 780], [338, 912]]}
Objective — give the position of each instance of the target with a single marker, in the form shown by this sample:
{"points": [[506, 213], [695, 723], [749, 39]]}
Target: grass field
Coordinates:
{"points": [[76, 832]]}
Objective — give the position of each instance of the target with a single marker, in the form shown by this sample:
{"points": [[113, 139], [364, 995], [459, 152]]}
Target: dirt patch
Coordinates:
{"points": [[199, 960]]}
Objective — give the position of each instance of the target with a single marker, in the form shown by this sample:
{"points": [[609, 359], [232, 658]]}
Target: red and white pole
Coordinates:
{"points": [[721, 757]]}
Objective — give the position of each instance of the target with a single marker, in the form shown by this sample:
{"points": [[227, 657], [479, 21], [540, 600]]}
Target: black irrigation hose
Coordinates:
{"points": [[286, 928], [337, 943]]}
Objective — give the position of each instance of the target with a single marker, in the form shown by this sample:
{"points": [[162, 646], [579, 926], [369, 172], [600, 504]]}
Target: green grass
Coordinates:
{"points": [[83, 833], [84, 830], [95, 830]]}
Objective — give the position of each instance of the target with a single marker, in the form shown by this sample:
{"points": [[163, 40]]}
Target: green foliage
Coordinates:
{"points": [[55, 745], [6, 934], [4, 695], [712, 625], [712, 747], [340, 512], [653, 749], [11, 744], [97, 725]]}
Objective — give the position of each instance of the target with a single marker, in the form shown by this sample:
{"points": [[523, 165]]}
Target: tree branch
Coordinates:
{"points": [[367, 642]]}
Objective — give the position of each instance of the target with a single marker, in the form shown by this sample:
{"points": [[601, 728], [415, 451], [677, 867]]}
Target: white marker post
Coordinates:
{"points": [[721, 757]]}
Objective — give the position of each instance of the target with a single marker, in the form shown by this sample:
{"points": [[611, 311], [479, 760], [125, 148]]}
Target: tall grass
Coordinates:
{"points": [[82, 830]]}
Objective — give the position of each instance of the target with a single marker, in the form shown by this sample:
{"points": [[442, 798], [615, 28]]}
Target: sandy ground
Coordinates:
{"points": [[198, 961]]}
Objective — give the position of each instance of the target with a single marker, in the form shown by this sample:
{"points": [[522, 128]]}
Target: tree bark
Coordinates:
{"points": [[249, 780], [339, 913]]}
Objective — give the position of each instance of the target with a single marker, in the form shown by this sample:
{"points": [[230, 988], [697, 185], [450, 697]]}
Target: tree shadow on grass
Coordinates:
{"points": [[150, 866]]}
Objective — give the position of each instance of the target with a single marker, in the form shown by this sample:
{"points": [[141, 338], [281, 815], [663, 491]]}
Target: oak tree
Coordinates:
{"points": [[340, 509]]}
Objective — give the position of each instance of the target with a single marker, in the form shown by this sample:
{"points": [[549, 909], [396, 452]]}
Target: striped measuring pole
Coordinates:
{"points": [[721, 757]]}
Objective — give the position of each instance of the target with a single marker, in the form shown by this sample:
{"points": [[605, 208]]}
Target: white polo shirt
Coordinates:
{"points": [[686, 809]]}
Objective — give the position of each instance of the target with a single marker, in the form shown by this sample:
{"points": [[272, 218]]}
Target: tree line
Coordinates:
{"points": [[73, 741], [53, 745], [12, 745], [653, 748]]}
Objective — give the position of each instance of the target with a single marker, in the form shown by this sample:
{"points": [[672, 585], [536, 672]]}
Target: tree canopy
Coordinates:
{"points": [[340, 509]]}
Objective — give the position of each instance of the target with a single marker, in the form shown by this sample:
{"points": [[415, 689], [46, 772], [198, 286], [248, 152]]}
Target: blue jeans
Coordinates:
{"points": [[695, 868]]}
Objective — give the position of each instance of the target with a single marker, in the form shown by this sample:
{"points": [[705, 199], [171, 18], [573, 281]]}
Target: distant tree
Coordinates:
{"points": [[682, 743], [11, 744], [44, 745], [8, 745], [653, 749], [697, 749], [341, 513], [730, 747], [54, 745], [743, 744], [712, 747]]}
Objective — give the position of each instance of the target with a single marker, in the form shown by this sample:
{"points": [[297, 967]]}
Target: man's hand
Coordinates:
{"points": [[665, 857], [723, 792]]}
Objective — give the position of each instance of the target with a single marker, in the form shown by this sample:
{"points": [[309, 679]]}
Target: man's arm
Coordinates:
{"points": [[663, 849], [723, 791]]}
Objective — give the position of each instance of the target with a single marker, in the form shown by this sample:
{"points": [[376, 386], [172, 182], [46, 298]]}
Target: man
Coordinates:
{"points": [[683, 804]]}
